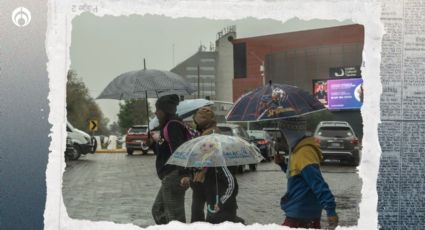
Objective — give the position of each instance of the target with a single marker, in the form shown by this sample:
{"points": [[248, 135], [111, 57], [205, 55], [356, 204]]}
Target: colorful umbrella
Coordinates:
{"points": [[215, 150], [272, 102]]}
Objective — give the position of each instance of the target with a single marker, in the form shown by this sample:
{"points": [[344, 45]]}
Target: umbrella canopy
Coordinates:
{"points": [[215, 150], [144, 83], [272, 102], [185, 109]]}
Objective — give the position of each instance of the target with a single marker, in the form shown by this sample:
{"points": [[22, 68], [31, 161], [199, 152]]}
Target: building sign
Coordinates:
{"points": [[345, 72], [345, 94], [320, 91]]}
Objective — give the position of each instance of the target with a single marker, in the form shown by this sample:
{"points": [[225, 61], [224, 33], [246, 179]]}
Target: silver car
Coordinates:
{"points": [[236, 130]]}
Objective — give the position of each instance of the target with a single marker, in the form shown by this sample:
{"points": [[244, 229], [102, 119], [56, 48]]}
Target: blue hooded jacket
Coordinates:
{"points": [[307, 193]]}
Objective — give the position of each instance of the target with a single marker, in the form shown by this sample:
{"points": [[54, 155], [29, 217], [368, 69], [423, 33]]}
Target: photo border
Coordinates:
{"points": [[61, 13]]}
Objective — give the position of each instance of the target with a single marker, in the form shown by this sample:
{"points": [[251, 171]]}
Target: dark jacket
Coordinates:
{"points": [[227, 188], [178, 135]]}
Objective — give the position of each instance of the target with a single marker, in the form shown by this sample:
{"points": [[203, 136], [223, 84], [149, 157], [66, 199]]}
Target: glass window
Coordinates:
{"points": [[241, 132], [191, 68], [208, 68], [339, 132], [207, 60], [226, 131], [137, 130]]}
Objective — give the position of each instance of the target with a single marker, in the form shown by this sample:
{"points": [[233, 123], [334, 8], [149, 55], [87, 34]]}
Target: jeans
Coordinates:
{"points": [[169, 202]]}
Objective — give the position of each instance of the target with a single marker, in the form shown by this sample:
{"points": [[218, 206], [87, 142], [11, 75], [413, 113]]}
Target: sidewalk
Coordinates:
{"points": [[111, 151]]}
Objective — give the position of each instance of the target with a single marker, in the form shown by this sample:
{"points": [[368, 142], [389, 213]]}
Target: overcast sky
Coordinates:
{"points": [[104, 47]]}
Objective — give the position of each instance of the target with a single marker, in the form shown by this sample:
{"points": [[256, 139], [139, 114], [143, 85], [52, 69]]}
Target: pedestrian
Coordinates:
{"points": [[169, 202], [204, 120], [207, 183], [307, 193]]}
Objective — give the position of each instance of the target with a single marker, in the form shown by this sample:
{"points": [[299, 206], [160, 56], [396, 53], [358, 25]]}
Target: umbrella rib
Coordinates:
{"points": [[246, 108], [187, 161], [256, 109]]}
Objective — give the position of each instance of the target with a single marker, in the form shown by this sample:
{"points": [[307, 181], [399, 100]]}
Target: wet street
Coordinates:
{"points": [[120, 188]]}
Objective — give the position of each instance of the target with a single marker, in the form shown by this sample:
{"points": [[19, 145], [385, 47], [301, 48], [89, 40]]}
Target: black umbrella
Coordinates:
{"points": [[146, 83]]}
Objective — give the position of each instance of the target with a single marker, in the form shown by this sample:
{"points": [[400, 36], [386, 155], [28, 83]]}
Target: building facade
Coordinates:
{"points": [[224, 49], [301, 59], [211, 71], [294, 57], [200, 71]]}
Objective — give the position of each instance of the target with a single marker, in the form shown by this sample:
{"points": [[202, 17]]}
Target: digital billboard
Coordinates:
{"points": [[320, 91], [345, 93]]}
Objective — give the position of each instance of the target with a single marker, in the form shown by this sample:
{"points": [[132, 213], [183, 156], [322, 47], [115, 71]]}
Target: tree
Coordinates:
{"points": [[115, 129], [81, 107], [132, 112]]}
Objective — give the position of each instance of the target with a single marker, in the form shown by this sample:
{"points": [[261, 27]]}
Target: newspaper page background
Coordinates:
{"points": [[402, 131]]}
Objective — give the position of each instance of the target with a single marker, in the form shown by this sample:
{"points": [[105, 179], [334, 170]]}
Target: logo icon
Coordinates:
{"points": [[21, 17]]}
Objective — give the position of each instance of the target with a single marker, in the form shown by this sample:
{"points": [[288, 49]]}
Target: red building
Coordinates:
{"points": [[250, 54]]}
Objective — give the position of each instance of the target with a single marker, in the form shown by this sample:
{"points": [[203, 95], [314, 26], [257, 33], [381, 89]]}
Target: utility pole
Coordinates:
{"points": [[199, 82], [173, 55]]}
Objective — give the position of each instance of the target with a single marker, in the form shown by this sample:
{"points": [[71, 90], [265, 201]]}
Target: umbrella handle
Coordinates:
{"points": [[212, 210]]}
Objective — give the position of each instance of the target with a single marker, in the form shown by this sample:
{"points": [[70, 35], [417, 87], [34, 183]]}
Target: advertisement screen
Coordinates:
{"points": [[320, 91], [345, 93]]}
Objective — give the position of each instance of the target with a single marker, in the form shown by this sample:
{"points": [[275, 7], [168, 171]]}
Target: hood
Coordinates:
{"points": [[82, 133], [309, 141]]}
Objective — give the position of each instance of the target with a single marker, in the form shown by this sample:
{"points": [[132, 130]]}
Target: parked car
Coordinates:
{"points": [[236, 130], [338, 141], [70, 152], [264, 142], [136, 139], [276, 136], [82, 142]]}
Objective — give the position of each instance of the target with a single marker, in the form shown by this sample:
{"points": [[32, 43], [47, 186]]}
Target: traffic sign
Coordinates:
{"points": [[93, 125]]}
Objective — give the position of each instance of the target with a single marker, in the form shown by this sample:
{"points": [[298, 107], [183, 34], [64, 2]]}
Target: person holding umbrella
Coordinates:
{"points": [[204, 120], [169, 202], [307, 193], [205, 180]]}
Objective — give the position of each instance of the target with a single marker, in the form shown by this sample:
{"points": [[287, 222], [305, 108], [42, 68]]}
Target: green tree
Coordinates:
{"points": [[81, 107], [132, 112]]}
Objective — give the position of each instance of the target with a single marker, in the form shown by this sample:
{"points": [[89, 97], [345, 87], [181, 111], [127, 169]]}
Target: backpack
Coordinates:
{"points": [[190, 134]]}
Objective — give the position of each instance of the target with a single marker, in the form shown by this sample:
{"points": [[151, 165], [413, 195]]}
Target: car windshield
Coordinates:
{"points": [[239, 131], [339, 132], [258, 135], [274, 133], [226, 131], [137, 130]]}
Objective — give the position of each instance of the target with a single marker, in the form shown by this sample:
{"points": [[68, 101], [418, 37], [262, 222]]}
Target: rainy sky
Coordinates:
{"points": [[104, 47]]}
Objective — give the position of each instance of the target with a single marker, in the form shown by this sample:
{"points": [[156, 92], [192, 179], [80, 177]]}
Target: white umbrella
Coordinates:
{"points": [[184, 109], [215, 150]]}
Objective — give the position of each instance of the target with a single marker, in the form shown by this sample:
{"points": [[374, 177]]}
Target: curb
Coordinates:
{"points": [[111, 151]]}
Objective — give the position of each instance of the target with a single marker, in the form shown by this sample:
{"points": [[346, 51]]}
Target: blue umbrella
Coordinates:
{"points": [[184, 109], [273, 102]]}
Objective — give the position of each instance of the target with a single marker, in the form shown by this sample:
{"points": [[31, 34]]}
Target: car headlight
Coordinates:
{"points": [[68, 141]]}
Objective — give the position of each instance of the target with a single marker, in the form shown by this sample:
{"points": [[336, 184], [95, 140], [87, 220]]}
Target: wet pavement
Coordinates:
{"points": [[120, 188]]}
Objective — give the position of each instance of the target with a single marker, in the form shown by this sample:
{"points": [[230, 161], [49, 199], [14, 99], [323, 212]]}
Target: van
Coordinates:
{"points": [[83, 143]]}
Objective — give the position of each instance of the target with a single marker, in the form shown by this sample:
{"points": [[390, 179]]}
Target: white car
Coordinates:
{"points": [[83, 143]]}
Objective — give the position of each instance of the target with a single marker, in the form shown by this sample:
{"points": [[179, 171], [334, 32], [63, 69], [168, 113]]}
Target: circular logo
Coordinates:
{"points": [[21, 16]]}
